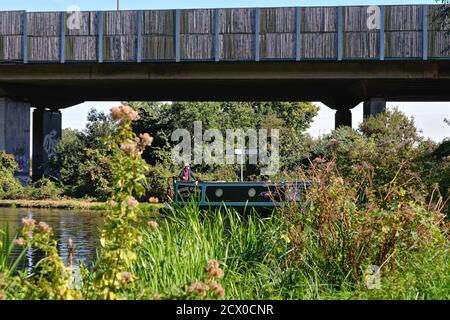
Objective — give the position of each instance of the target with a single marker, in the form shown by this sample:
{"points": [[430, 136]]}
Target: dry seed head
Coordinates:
{"points": [[153, 225], [198, 288], [124, 113], [146, 139], [213, 269], [44, 227], [153, 200], [129, 148], [125, 277], [20, 241], [29, 222], [132, 202]]}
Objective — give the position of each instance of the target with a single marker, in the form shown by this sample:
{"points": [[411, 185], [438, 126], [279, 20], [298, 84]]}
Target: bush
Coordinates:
{"points": [[9, 185], [390, 147], [83, 162], [43, 189], [344, 226]]}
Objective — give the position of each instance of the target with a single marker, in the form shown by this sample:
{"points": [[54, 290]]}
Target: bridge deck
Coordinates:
{"points": [[249, 34]]}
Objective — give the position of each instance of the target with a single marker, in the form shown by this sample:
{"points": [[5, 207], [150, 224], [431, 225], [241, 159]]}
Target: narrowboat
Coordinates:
{"points": [[261, 195]]}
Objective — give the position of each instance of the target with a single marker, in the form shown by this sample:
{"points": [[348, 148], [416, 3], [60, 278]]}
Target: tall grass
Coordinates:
{"points": [[262, 259], [8, 264], [251, 249]]}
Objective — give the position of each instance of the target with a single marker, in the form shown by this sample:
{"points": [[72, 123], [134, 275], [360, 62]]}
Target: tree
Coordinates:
{"points": [[82, 161], [161, 119]]}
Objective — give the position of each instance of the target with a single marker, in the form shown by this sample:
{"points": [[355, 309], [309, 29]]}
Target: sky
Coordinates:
{"points": [[429, 117]]}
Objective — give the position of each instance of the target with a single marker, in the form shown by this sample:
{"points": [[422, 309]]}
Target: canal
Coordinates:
{"points": [[83, 227]]}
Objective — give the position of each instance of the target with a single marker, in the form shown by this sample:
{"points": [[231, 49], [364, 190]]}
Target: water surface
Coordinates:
{"points": [[80, 226]]}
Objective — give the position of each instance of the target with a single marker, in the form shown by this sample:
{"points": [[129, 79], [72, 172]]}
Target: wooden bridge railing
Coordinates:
{"points": [[317, 33]]}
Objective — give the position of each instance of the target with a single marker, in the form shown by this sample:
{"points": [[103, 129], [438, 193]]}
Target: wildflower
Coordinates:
{"points": [[153, 225], [128, 113], [217, 289], [198, 288], [132, 202], [146, 139], [130, 148], [20, 241], [125, 276], [124, 113], [29, 222], [44, 227], [153, 200], [213, 269], [116, 113], [29, 234]]}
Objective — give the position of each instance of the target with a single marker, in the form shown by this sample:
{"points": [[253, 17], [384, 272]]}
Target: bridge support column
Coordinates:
{"points": [[343, 117], [47, 127], [15, 134], [374, 106]]}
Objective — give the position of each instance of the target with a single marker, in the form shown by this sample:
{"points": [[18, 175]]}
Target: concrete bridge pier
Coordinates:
{"points": [[47, 127], [374, 106], [15, 134], [343, 117]]}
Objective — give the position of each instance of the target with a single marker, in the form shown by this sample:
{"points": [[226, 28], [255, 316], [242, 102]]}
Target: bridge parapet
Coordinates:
{"points": [[246, 34]]}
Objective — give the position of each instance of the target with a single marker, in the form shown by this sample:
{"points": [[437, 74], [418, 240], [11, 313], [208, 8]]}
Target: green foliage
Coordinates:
{"points": [[7, 161], [49, 279], [83, 159], [43, 189], [8, 266], [251, 250], [390, 146], [8, 183], [111, 277], [292, 118], [337, 233], [419, 276]]}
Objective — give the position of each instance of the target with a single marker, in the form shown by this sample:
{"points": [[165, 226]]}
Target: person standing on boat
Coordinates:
{"points": [[186, 174]]}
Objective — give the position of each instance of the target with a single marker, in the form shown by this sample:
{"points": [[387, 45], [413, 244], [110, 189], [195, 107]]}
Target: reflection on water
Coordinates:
{"points": [[81, 227]]}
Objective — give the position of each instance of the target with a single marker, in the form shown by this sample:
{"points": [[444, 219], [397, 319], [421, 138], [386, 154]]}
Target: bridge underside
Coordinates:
{"points": [[337, 84], [340, 85]]}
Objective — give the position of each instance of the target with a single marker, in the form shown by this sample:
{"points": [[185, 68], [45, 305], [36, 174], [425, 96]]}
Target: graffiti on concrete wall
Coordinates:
{"points": [[50, 142], [22, 159]]}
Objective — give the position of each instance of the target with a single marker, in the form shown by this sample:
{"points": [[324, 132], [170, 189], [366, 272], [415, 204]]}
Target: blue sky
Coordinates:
{"points": [[429, 117], [57, 5]]}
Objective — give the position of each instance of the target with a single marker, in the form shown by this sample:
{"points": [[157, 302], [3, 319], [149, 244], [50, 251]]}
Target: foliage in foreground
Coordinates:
{"points": [[324, 248]]}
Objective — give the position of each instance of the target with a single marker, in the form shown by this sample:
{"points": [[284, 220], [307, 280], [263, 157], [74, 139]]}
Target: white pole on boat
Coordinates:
{"points": [[242, 166]]}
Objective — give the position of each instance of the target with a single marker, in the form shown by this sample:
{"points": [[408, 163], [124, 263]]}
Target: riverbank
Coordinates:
{"points": [[54, 204], [65, 204]]}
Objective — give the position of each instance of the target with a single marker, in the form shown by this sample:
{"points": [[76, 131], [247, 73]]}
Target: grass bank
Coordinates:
{"points": [[74, 204], [257, 258]]}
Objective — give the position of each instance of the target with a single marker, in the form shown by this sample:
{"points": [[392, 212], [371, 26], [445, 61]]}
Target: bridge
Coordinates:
{"points": [[338, 55]]}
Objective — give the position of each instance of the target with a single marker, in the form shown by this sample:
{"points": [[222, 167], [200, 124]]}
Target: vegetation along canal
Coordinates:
{"points": [[80, 226]]}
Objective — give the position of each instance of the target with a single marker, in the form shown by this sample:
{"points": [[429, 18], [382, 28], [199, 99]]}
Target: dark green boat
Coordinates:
{"points": [[239, 195]]}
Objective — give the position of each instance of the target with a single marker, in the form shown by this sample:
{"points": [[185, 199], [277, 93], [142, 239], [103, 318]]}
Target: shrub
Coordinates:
{"points": [[8, 183], [43, 189], [344, 225], [49, 279], [111, 276]]}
